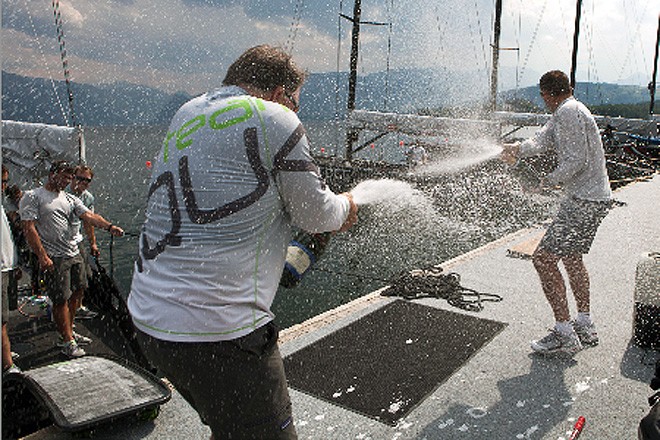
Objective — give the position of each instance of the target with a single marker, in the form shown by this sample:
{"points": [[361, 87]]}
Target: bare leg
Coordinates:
{"points": [[578, 278], [6, 349], [552, 283], [61, 316], [74, 303]]}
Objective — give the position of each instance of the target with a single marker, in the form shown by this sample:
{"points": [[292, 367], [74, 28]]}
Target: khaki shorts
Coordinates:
{"points": [[68, 276], [84, 254], [237, 387], [573, 229]]}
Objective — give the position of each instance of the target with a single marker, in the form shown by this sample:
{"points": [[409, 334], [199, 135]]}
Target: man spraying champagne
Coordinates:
{"points": [[574, 137]]}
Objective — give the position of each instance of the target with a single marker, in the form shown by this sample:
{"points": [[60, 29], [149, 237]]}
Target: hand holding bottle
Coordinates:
{"points": [[510, 153], [352, 213]]}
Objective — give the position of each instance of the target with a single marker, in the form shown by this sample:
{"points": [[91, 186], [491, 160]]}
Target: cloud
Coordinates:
{"points": [[188, 44]]}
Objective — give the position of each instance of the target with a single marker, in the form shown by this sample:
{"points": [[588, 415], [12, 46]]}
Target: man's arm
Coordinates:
{"points": [[91, 237], [96, 220], [34, 241]]}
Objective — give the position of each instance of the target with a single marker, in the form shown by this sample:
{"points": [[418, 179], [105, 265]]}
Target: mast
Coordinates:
{"points": [[576, 35], [496, 56], [352, 135], [653, 83]]}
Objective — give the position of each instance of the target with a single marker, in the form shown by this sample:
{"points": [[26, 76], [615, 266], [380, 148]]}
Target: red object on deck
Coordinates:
{"points": [[577, 429]]}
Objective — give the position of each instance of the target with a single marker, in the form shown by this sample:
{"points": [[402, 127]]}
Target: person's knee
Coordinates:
{"points": [[77, 295], [543, 261], [573, 261]]}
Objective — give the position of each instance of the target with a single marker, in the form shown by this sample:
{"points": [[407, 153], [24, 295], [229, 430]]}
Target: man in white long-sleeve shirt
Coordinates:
{"points": [[573, 135], [234, 174]]}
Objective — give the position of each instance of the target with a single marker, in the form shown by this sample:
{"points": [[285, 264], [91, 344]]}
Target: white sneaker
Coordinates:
{"points": [[84, 313], [80, 340], [13, 369], [556, 342], [587, 333], [72, 350]]}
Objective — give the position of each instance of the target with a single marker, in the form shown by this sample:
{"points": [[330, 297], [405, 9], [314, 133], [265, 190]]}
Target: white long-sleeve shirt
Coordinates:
{"points": [[574, 136], [234, 174]]}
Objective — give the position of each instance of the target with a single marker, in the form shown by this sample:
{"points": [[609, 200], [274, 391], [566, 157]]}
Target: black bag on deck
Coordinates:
{"points": [[649, 426], [104, 296]]}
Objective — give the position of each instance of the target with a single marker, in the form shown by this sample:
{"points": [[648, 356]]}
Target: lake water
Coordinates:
{"points": [[461, 200]]}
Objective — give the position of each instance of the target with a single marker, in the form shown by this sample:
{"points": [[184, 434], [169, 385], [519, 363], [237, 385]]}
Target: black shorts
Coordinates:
{"points": [[5, 296], [237, 387]]}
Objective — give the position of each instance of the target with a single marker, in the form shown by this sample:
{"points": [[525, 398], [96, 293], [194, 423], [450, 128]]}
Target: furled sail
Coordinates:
{"points": [[32, 147]]}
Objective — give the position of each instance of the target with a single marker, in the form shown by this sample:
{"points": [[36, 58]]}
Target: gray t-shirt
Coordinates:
{"points": [[88, 200], [54, 214]]}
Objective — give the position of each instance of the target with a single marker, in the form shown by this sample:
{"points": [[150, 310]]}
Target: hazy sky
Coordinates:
{"points": [[188, 44]]}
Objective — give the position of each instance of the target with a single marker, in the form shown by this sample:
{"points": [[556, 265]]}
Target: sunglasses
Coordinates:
{"points": [[83, 179], [296, 106]]}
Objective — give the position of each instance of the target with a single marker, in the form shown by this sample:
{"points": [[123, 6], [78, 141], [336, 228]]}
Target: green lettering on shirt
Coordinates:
{"points": [[234, 104], [183, 132], [190, 127]]}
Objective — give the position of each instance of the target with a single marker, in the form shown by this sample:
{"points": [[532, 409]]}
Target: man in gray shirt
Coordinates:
{"points": [[79, 187], [47, 215], [573, 135]]}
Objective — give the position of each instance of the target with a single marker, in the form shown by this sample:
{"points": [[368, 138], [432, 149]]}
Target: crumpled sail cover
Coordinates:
{"points": [[32, 148]]}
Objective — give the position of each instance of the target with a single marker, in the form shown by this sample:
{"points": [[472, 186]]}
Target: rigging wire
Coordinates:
{"points": [[295, 25], [440, 40], [337, 118], [65, 67], [633, 40], [338, 72], [592, 71], [65, 62], [533, 40], [518, 38], [390, 6], [483, 43], [42, 52]]}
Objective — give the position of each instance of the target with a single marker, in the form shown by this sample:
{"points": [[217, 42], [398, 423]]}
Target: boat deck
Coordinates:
{"points": [[503, 391]]}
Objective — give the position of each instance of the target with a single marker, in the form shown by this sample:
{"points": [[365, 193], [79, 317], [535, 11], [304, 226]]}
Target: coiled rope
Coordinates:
{"points": [[432, 283]]}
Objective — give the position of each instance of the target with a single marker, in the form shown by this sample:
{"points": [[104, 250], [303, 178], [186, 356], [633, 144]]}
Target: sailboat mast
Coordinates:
{"points": [[351, 135], [497, 29], [576, 36], [653, 83]]}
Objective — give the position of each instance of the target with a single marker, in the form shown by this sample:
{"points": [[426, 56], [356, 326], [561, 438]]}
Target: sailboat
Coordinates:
{"points": [[496, 126], [466, 130]]}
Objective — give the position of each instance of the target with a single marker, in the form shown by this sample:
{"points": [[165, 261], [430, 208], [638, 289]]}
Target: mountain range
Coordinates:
{"points": [[323, 97]]}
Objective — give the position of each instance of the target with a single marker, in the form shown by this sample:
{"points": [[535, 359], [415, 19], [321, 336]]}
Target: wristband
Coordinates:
{"points": [[109, 227]]}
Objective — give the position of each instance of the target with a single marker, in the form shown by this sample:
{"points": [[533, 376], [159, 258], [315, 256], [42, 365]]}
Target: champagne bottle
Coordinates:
{"points": [[303, 252]]}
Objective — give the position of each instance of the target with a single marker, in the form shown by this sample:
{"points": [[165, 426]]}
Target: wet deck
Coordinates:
{"points": [[502, 392]]}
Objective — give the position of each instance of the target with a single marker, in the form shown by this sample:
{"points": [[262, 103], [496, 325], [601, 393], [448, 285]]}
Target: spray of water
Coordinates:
{"points": [[460, 159], [374, 191]]}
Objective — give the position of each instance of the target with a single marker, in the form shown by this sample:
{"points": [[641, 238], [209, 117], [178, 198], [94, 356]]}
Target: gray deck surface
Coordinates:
{"points": [[503, 392]]}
